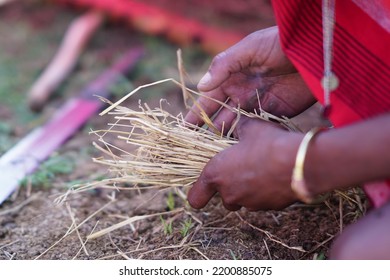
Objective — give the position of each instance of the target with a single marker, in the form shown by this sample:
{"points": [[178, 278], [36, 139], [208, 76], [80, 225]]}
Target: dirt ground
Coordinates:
{"points": [[33, 226]]}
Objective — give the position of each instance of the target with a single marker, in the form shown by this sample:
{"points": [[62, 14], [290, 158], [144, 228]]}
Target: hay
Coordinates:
{"points": [[159, 149]]}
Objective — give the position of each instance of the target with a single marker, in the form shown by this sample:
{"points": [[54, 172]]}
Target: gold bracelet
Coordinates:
{"points": [[298, 184]]}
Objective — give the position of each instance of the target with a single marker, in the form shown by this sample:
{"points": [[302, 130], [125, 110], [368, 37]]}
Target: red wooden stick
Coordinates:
{"points": [[74, 42], [156, 21], [27, 155]]}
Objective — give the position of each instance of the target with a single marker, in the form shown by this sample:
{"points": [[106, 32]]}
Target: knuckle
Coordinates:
{"points": [[229, 199], [208, 175], [218, 59], [203, 103], [212, 174]]}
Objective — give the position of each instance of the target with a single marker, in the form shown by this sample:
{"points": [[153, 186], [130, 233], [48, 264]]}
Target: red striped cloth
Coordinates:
{"points": [[361, 60]]}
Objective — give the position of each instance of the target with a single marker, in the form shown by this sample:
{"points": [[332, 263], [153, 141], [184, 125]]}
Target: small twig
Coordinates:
{"points": [[218, 228], [120, 254], [199, 252], [129, 221], [275, 219], [180, 66], [270, 236], [341, 214], [196, 219], [123, 255], [180, 246], [347, 197], [8, 244], [9, 255], [85, 242], [266, 246], [318, 246], [119, 251], [218, 221], [232, 254], [76, 228]]}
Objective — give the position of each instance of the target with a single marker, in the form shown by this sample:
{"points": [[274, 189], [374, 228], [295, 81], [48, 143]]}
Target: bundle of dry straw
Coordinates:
{"points": [[163, 150], [169, 152]]}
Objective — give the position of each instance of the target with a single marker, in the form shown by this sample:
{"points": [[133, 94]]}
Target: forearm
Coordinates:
{"points": [[349, 156]]}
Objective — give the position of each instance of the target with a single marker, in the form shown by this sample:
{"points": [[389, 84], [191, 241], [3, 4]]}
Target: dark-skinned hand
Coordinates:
{"points": [[255, 173], [253, 72]]}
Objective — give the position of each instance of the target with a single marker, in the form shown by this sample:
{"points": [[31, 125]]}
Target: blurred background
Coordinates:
{"points": [[31, 33]]}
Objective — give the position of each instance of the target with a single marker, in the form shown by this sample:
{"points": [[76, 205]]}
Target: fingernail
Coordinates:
{"points": [[205, 80]]}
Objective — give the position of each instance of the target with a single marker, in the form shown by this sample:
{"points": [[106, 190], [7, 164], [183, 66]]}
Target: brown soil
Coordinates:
{"points": [[31, 222]]}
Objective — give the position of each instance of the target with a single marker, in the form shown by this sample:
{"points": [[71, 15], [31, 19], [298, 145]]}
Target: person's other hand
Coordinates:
{"points": [[255, 173], [252, 71]]}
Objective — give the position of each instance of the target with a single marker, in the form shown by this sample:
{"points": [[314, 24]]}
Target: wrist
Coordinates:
{"points": [[299, 184], [285, 150]]}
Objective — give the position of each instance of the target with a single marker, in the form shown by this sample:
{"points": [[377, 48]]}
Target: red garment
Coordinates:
{"points": [[361, 60]]}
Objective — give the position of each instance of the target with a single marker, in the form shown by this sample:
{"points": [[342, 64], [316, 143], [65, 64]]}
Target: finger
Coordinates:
{"points": [[206, 104], [200, 193], [209, 181], [224, 119], [249, 127], [243, 127], [222, 66], [231, 207]]}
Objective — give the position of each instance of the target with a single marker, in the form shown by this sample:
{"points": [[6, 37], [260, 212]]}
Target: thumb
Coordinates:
{"points": [[222, 66]]}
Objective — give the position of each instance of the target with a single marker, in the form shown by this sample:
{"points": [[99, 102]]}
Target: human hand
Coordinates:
{"points": [[252, 71], [255, 173]]}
